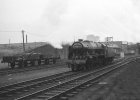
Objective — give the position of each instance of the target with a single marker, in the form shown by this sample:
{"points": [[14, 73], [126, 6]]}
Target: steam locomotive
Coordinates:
{"points": [[83, 55]]}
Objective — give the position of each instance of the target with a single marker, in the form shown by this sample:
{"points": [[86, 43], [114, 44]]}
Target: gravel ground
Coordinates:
{"points": [[126, 86], [123, 85], [18, 77]]}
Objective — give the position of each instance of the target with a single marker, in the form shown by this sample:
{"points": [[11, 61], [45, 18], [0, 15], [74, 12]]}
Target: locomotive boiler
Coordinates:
{"points": [[83, 55]]}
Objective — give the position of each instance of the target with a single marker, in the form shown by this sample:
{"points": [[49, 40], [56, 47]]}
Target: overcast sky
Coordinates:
{"points": [[65, 20]]}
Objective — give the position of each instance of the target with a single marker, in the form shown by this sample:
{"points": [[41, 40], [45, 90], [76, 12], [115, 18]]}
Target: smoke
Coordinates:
{"points": [[93, 38], [55, 10], [62, 20]]}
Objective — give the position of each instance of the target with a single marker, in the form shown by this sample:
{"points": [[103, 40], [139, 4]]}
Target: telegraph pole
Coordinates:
{"points": [[9, 42], [23, 40], [26, 38]]}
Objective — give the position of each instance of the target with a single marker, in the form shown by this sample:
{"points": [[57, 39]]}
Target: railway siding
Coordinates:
{"points": [[67, 86], [126, 84], [82, 81], [123, 85], [20, 70], [19, 77]]}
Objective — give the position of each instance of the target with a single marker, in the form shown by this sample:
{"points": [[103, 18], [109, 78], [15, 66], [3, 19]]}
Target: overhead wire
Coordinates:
{"points": [[10, 31], [32, 34]]}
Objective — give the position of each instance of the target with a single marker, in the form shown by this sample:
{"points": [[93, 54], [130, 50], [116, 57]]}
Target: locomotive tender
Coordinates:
{"points": [[86, 54]]}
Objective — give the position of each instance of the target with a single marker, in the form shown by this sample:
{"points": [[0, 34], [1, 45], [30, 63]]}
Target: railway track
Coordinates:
{"points": [[18, 70], [29, 68], [70, 87], [52, 86]]}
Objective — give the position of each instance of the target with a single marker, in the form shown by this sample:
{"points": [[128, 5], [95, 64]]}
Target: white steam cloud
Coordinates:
{"points": [[62, 20], [93, 38]]}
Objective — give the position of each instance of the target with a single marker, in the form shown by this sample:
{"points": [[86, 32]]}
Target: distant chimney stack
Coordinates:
{"points": [[80, 40]]}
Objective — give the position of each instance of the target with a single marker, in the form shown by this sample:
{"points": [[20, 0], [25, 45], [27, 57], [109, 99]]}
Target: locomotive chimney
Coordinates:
{"points": [[80, 40]]}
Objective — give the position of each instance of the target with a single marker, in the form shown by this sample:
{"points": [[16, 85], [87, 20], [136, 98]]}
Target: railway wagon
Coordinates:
{"points": [[28, 59], [83, 55]]}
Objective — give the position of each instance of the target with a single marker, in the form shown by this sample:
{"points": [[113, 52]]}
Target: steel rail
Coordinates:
{"points": [[18, 70], [21, 82], [12, 89], [48, 91], [71, 91], [20, 89], [8, 88]]}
